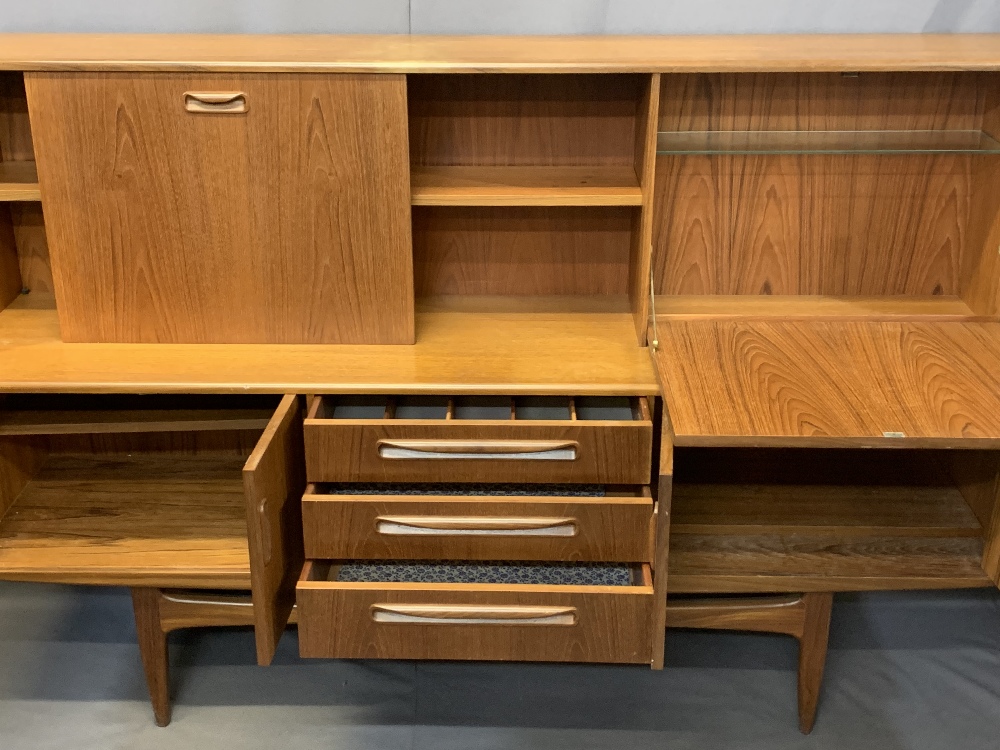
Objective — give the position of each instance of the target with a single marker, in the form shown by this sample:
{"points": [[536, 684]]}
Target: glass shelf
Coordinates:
{"points": [[826, 142]]}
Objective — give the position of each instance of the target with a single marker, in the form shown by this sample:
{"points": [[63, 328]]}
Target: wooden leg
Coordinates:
{"points": [[153, 649], [812, 655], [805, 616]]}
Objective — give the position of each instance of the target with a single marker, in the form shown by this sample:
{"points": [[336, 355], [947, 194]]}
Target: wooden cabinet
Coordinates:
{"points": [[247, 208]]}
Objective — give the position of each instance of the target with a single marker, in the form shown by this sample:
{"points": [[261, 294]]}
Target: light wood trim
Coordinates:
{"points": [[524, 186], [216, 102], [641, 246], [549, 346], [486, 54], [19, 181], [481, 614], [812, 307], [478, 523]]}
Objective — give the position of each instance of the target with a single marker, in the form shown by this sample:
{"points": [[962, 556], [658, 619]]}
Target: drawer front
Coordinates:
{"points": [[455, 450], [609, 624], [614, 528]]}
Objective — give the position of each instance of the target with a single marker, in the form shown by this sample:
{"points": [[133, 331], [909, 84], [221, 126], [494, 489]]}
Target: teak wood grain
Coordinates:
{"points": [[521, 251], [469, 54], [287, 224], [606, 452], [579, 345], [10, 272], [640, 249], [524, 186], [611, 623], [818, 383], [615, 527], [508, 120], [19, 181], [145, 520], [15, 127], [813, 307], [32, 247], [273, 480]]}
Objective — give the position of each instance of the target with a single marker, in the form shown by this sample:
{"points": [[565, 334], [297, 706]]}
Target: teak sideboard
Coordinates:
{"points": [[479, 347]]}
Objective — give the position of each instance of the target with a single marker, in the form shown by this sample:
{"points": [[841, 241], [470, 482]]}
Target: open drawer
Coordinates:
{"points": [[539, 612], [156, 491], [477, 522], [606, 440]]}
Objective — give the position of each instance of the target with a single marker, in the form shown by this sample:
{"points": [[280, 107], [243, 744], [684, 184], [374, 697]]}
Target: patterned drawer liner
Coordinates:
{"points": [[461, 571], [449, 489]]}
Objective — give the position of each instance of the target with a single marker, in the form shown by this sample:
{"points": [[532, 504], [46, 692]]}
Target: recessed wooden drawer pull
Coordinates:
{"points": [[524, 450], [473, 525], [215, 102], [457, 614]]}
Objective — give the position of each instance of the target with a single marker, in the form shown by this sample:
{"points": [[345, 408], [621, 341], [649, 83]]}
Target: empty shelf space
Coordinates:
{"points": [[825, 142], [480, 408], [154, 520], [525, 186], [53, 414], [19, 181], [815, 307], [822, 383], [711, 563]]}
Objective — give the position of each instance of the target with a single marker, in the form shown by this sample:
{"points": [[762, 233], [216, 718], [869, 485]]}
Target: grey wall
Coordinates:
{"points": [[502, 16]]}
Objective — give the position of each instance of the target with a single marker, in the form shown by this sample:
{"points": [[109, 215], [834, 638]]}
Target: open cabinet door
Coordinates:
{"points": [[273, 481]]}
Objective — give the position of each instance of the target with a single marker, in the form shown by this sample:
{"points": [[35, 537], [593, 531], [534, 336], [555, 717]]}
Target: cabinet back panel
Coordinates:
{"points": [[15, 130], [286, 224], [823, 101], [521, 251], [508, 120], [834, 225]]}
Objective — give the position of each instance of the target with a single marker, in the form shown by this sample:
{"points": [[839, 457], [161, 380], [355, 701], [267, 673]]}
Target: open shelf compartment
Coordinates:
{"points": [[758, 520]]}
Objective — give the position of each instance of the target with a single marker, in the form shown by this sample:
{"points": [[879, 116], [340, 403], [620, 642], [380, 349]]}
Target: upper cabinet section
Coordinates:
{"points": [[226, 208]]}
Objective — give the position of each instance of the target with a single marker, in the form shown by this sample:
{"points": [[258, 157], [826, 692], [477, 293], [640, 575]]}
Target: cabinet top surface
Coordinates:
{"points": [[463, 346], [524, 54]]}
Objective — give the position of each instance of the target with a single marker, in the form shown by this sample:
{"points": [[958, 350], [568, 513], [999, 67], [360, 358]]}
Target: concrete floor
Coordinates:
{"points": [[913, 671]]}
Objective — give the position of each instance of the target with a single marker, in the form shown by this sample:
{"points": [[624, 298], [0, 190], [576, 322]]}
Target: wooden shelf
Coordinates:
{"points": [[19, 181], [820, 383], [764, 538], [814, 307], [55, 414], [525, 186], [465, 345], [718, 142], [144, 520]]}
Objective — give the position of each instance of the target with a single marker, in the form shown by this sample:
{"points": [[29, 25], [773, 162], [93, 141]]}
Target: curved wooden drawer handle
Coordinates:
{"points": [[472, 614], [472, 525], [217, 102], [524, 450]]}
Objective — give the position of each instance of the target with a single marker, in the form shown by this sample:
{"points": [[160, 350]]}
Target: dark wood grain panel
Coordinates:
{"points": [[611, 622], [640, 250], [10, 273], [15, 128], [32, 247], [340, 450], [287, 224], [823, 101], [792, 563], [981, 278], [611, 528], [507, 120], [155, 520], [816, 383], [808, 224], [522, 251]]}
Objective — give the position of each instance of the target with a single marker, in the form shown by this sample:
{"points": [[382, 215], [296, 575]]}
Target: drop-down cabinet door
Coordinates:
{"points": [[251, 208]]}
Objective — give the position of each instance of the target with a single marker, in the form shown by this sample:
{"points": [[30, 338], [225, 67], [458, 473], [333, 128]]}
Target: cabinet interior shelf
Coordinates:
{"points": [[19, 182], [825, 142], [145, 519], [811, 307], [525, 186]]}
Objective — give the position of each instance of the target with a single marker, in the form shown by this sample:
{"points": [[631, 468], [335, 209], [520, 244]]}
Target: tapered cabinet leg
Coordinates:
{"points": [[812, 655], [153, 649]]}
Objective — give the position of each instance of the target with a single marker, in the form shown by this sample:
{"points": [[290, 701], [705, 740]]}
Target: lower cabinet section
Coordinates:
{"points": [[483, 611]]}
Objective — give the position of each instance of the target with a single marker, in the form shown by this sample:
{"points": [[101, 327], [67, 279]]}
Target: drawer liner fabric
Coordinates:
{"points": [[562, 574], [439, 488]]}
